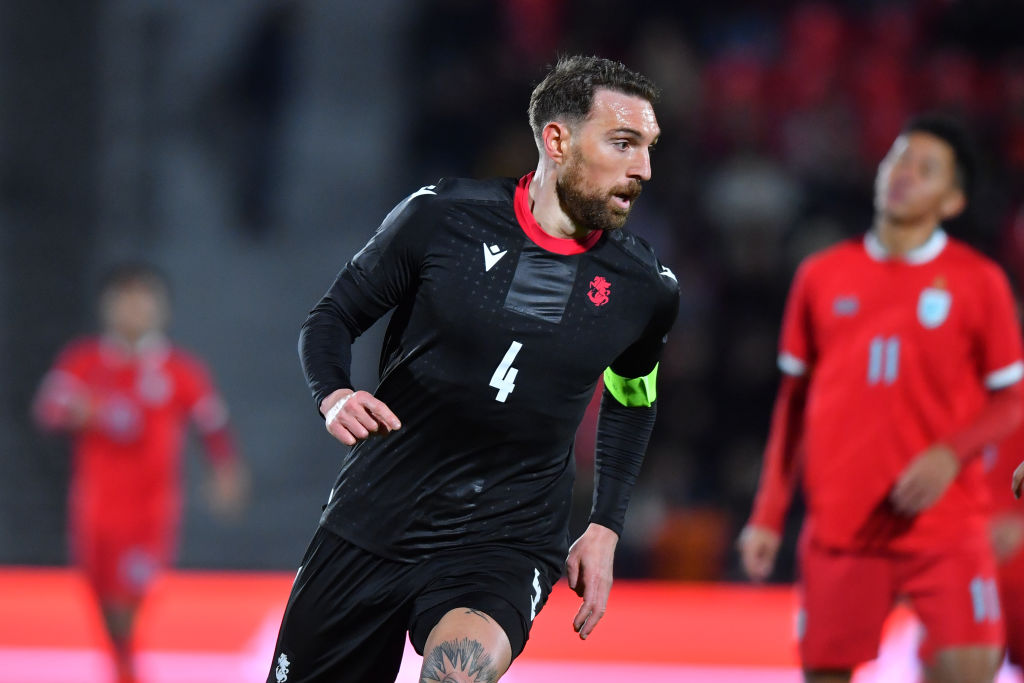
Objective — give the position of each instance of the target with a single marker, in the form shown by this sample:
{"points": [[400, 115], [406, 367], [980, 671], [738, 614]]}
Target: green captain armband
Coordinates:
{"points": [[633, 393]]}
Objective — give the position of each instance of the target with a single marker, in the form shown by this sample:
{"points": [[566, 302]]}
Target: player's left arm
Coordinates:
{"points": [[928, 476], [227, 483], [625, 423], [998, 349]]}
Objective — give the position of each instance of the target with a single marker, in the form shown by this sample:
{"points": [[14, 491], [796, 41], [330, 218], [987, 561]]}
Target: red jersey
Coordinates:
{"points": [[126, 459], [900, 354]]}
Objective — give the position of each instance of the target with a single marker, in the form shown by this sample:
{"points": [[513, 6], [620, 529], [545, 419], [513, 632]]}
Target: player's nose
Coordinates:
{"points": [[641, 168]]}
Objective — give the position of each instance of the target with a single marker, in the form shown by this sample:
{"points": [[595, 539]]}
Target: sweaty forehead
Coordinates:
{"points": [[613, 110]]}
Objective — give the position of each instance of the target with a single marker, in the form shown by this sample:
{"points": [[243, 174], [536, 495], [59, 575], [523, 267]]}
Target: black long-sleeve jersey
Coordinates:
{"points": [[499, 335]]}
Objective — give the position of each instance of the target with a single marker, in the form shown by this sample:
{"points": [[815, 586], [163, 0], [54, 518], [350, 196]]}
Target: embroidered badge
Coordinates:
{"points": [[599, 289], [933, 305]]}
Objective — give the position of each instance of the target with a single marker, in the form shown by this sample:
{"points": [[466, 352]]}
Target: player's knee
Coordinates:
{"points": [[965, 665], [467, 646]]}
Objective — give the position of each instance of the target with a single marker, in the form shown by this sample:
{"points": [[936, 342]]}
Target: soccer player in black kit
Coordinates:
{"points": [[449, 519]]}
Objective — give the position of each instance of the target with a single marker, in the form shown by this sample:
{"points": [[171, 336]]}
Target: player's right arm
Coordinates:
{"points": [[759, 541], [372, 283], [63, 401], [760, 538]]}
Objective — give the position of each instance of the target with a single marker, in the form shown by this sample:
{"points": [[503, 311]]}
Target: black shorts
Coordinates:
{"points": [[349, 610]]}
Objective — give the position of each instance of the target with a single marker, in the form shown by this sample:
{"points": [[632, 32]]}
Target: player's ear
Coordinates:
{"points": [[556, 137], [953, 204]]}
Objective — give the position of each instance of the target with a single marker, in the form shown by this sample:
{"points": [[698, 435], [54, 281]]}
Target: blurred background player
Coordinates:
{"points": [[1007, 532], [126, 397], [901, 359]]}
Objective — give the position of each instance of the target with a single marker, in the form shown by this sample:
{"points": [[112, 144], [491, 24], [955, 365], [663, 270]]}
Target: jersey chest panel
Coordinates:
{"points": [[886, 322], [493, 297]]}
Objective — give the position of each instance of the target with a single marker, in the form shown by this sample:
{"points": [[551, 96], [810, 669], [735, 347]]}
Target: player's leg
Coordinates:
{"points": [[845, 598], [478, 607], [345, 619], [827, 676], [140, 550], [1011, 593], [120, 571], [119, 617], [976, 664], [955, 595], [466, 646]]}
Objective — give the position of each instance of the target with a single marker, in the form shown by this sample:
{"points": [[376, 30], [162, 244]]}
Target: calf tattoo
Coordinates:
{"points": [[462, 661]]}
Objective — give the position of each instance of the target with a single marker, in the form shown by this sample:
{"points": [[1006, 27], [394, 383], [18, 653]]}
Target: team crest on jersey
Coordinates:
{"points": [[281, 672], [599, 289], [933, 306]]}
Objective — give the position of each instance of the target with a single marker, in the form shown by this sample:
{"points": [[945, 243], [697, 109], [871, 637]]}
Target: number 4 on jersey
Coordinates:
{"points": [[504, 375]]}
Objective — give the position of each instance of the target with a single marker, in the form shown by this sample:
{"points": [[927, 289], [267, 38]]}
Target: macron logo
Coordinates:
{"points": [[492, 254], [427, 189]]}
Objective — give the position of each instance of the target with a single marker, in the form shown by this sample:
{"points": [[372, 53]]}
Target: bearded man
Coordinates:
{"points": [[511, 298]]}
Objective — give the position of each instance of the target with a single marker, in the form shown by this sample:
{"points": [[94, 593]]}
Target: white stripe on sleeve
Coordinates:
{"points": [[791, 365], [1004, 377]]}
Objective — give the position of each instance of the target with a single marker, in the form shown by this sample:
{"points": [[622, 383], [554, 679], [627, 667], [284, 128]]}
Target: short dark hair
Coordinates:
{"points": [[133, 273], [567, 92], [953, 133]]}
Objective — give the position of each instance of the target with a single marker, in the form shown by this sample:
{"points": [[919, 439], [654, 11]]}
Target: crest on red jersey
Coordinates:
{"points": [[933, 306], [599, 289]]}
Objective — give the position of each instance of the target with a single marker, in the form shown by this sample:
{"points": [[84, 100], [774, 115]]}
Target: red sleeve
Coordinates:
{"points": [[997, 339], [997, 347], [780, 469], [206, 407], [796, 351], [63, 385], [1000, 416]]}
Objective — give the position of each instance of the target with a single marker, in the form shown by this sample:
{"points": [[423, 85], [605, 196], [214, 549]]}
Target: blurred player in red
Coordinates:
{"points": [[126, 397], [901, 359], [1007, 532]]}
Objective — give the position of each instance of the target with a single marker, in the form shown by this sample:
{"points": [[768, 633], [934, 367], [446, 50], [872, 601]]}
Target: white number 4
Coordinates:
{"points": [[504, 377]]}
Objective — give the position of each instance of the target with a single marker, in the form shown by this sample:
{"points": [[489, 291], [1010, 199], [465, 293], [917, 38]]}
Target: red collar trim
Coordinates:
{"points": [[566, 246]]}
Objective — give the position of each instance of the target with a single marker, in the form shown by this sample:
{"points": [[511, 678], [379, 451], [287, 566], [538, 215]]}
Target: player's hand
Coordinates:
{"points": [[80, 410], [1007, 533], [758, 547], [589, 570], [925, 480], [352, 416], [1018, 480], [227, 489]]}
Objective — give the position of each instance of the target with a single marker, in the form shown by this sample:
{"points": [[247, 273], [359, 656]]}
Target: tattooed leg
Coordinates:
{"points": [[466, 646], [463, 661]]}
